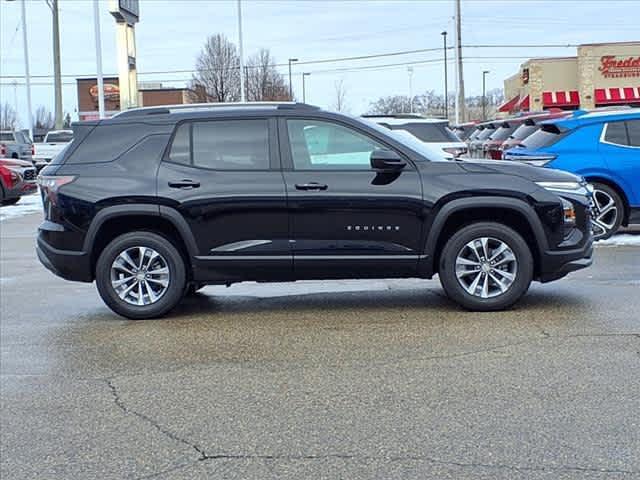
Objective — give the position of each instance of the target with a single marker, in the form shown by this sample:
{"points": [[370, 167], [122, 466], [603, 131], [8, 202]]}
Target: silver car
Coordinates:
{"points": [[15, 144]]}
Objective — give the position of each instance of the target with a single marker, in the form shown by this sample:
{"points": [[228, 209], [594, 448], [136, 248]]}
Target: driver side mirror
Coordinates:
{"points": [[387, 161]]}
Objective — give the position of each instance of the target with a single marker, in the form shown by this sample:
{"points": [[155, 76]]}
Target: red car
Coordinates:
{"points": [[492, 147], [17, 178]]}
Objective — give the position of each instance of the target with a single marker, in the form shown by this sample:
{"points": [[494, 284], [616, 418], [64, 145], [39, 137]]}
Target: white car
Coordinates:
{"points": [[53, 143], [435, 132]]}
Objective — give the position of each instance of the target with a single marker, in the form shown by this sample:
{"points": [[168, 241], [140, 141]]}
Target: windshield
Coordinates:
{"points": [[407, 139], [60, 137], [523, 131], [545, 137]]}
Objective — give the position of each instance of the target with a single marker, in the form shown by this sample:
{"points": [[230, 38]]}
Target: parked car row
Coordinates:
{"points": [[602, 146]]}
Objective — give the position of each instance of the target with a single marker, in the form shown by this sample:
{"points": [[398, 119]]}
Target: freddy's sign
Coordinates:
{"points": [[615, 67]]}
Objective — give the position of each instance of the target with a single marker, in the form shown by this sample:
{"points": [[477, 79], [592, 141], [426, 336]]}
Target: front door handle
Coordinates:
{"points": [[184, 184], [311, 186]]}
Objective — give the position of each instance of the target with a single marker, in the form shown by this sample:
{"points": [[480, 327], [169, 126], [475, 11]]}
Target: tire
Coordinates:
{"points": [[11, 201], [608, 211], [517, 262], [167, 288]]}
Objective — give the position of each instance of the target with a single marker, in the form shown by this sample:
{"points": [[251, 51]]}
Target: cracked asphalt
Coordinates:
{"points": [[372, 380]]}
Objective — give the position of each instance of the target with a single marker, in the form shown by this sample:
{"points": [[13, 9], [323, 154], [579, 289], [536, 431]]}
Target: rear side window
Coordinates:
{"points": [[502, 133], [59, 137], [545, 137], [616, 133], [222, 144], [428, 132], [633, 129], [523, 131]]}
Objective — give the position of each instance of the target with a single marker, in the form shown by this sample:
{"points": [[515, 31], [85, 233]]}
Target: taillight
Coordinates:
{"points": [[3, 149], [50, 185], [33, 149]]}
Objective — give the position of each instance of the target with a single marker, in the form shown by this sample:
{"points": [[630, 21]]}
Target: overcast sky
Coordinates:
{"points": [[171, 33]]}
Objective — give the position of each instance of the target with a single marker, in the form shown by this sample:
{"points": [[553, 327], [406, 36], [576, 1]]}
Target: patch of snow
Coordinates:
{"points": [[620, 240], [306, 287], [27, 204]]}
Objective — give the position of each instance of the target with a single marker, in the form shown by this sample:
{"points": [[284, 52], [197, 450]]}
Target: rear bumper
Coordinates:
{"points": [[67, 264], [557, 264], [22, 188]]}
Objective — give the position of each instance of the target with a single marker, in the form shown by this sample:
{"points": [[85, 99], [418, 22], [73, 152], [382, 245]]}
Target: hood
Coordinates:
{"points": [[524, 170], [12, 162]]}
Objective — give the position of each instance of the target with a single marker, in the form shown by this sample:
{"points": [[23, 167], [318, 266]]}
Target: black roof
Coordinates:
{"points": [[212, 107]]}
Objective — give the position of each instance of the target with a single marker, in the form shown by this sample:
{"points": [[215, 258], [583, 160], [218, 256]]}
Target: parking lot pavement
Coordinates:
{"points": [[382, 379]]}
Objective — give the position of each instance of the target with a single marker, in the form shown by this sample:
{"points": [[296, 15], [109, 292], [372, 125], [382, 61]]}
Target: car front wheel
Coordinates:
{"points": [[486, 266], [141, 275], [607, 211]]}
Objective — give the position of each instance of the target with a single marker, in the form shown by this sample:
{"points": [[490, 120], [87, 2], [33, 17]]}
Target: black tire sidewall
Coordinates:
{"points": [[501, 232], [175, 263], [618, 201]]}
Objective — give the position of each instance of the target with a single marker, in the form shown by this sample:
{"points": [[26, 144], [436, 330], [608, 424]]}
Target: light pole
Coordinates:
{"points": [[304, 92], [25, 46], [410, 72], [98, 40], [243, 97], [57, 77], [446, 83], [484, 99], [291, 60]]}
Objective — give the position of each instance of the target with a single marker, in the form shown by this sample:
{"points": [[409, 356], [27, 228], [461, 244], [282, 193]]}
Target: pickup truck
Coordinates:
{"points": [[16, 145], [53, 143]]}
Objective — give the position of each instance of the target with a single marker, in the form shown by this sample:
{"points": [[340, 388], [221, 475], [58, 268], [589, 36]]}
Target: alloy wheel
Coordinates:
{"points": [[140, 276], [605, 214], [486, 267]]}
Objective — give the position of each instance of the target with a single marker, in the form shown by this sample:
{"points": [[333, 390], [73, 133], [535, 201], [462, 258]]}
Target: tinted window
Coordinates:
{"points": [[231, 144], [616, 133], [523, 131], [105, 143], [633, 128], [545, 137], [6, 136], [429, 132], [181, 146], [484, 134], [60, 137], [318, 145]]}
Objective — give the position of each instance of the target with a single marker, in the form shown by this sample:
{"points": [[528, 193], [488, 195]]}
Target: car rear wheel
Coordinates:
{"points": [[141, 275], [608, 210], [486, 266]]}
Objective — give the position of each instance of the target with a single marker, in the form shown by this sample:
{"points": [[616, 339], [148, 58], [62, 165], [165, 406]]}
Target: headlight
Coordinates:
{"points": [[566, 187]]}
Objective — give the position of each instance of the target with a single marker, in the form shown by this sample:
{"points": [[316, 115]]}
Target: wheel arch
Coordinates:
{"points": [[618, 189], [514, 213]]}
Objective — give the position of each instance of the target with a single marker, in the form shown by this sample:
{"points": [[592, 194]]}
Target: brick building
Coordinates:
{"points": [[602, 74], [148, 95]]}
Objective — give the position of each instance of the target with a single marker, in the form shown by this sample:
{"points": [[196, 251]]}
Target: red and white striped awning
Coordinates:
{"points": [[606, 96], [509, 105], [523, 104], [561, 99]]}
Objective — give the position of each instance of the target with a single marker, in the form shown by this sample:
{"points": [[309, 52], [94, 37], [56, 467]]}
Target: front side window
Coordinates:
{"points": [[633, 129], [320, 145], [616, 133]]}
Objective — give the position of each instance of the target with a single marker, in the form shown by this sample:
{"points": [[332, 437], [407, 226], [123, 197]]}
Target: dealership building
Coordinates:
{"points": [[149, 95], [602, 74]]}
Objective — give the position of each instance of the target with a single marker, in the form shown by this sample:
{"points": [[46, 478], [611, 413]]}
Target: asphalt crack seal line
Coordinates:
{"points": [[202, 456]]}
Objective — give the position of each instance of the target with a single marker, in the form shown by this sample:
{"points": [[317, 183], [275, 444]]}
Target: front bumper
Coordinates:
{"points": [[21, 189], [557, 264]]}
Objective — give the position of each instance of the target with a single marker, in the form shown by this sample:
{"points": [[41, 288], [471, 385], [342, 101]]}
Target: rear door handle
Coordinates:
{"points": [[184, 184], [311, 186]]}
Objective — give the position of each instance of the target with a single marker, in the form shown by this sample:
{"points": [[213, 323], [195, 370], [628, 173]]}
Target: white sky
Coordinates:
{"points": [[171, 33]]}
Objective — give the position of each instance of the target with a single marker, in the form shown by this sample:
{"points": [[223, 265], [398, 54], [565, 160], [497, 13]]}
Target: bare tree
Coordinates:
{"points": [[264, 82], [43, 118], [340, 99], [8, 117], [217, 71]]}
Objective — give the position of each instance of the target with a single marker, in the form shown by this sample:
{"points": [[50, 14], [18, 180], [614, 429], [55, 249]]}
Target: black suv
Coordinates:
{"points": [[156, 202]]}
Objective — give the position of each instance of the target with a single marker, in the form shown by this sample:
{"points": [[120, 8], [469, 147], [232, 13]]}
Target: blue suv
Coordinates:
{"points": [[604, 148]]}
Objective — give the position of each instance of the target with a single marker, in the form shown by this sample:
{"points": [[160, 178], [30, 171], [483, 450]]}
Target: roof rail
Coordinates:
{"points": [[195, 107], [397, 115]]}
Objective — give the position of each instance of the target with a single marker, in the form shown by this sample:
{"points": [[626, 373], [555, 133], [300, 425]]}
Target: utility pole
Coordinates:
{"points": [[26, 66], [57, 77], [410, 72], [291, 60], [460, 105], [304, 92], [484, 91], [446, 82], [243, 97], [98, 40]]}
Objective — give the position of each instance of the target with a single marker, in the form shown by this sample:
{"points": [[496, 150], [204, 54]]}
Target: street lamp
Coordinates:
{"points": [[291, 60], [446, 83], [304, 94], [484, 98]]}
